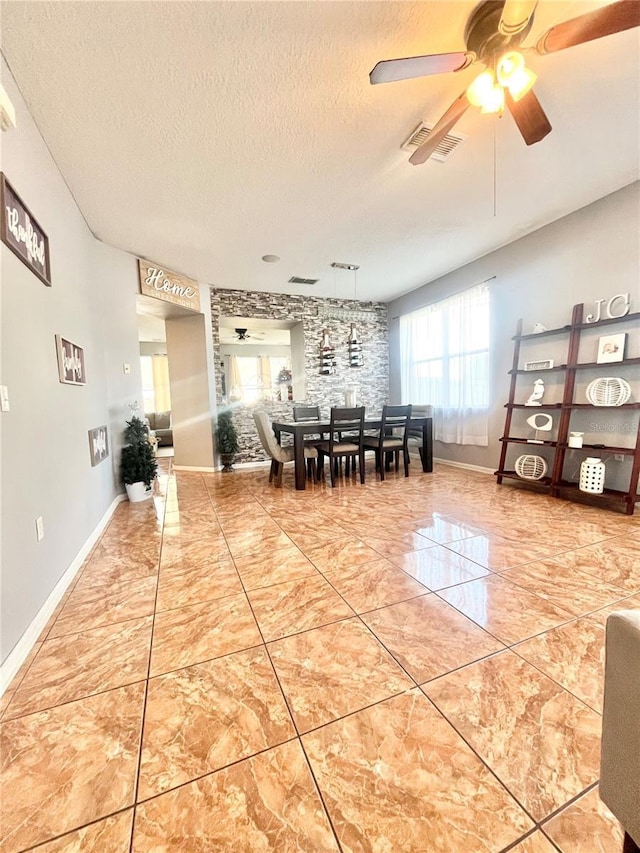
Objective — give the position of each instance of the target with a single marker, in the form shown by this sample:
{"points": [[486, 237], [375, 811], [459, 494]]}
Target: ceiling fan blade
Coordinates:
{"points": [[440, 130], [390, 70], [605, 21], [531, 119], [516, 15]]}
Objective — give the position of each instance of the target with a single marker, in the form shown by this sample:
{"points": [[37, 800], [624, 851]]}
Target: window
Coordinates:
{"points": [[154, 371], [445, 363], [253, 378]]}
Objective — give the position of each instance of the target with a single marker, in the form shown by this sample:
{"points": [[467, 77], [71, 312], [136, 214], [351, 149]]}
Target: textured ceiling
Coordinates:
{"points": [[207, 134]]}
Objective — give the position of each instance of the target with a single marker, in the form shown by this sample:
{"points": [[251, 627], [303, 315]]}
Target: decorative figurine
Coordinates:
{"points": [[538, 393]]}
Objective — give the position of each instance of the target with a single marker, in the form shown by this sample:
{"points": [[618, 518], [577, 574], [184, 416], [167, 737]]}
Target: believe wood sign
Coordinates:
{"points": [[22, 234], [169, 286]]}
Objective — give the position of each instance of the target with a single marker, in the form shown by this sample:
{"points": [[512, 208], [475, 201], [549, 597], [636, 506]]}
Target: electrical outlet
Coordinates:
{"points": [[126, 368], [4, 399], [39, 528], [619, 457]]}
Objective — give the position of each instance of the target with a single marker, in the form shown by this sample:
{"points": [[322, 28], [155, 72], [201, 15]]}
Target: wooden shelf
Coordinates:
{"points": [[528, 441], [560, 488], [602, 448]]}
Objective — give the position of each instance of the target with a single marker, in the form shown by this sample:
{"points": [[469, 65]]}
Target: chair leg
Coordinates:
{"points": [[319, 466], [274, 467], [347, 466], [383, 464], [421, 452], [279, 471], [311, 464], [630, 845], [397, 455], [405, 459], [333, 469], [361, 461]]}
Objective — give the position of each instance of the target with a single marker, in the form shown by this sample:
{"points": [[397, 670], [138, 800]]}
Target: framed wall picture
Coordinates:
{"points": [[22, 234], [98, 445], [70, 362], [611, 348]]}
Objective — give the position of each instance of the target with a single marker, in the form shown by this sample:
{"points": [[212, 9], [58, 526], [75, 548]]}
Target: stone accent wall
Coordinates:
{"points": [[371, 380]]}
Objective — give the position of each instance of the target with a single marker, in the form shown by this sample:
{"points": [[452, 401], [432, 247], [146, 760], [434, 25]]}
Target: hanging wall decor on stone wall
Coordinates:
{"points": [[327, 355], [354, 348]]}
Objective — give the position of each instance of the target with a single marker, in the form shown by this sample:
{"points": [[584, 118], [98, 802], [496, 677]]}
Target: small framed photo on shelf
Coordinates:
{"points": [[611, 348], [543, 364], [98, 445], [70, 362]]}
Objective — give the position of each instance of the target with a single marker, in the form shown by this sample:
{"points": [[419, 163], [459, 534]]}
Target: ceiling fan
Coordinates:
{"points": [[493, 36], [243, 335]]}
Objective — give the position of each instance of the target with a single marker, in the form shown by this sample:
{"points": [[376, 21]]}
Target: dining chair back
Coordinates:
{"points": [[392, 438], [279, 454], [415, 433], [306, 413], [343, 420]]}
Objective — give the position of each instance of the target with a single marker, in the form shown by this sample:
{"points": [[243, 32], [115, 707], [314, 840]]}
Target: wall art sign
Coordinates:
{"points": [[22, 234], [611, 348], [161, 283], [543, 364], [70, 362], [98, 445], [613, 310]]}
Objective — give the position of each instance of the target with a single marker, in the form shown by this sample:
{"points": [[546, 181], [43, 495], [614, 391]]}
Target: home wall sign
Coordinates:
{"points": [[161, 283], [22, 234], [71, 369]]}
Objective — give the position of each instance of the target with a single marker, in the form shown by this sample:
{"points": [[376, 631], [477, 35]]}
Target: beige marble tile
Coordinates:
{"points": [[200, 632], [68, 766], [443, 528], [341, 553], [396, 774], [428, 637], [615, 561], [393, 543], [566, 587], [271, 566], [601, 616], [204, 717], [288, 608], [111, 835], [438, 567], [308, 534], [334, 670], [265, 803], [78, 665], [95, 606], [179, 586], [22, 671], [515, 717], [536, 843], [498, 553], [573, 655], [586, 826], [507, 611], [372, 585]]}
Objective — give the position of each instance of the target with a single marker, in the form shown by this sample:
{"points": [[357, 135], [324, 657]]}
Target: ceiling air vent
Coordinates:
{"points": [[295, 279], [447, 146]]}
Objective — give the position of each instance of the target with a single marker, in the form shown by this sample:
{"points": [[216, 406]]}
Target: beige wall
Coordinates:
{"points": [[591, 254], [190, 401]]}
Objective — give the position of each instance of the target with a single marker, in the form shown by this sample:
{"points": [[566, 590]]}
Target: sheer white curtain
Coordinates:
{"points": [[444, 352]]}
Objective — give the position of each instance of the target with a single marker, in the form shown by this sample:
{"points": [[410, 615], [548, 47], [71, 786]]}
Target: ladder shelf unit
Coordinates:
{"points": [[555, 484]]}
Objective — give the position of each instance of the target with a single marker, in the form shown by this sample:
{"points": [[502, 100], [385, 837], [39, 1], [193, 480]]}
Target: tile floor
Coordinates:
{"points": [[414, 665]]}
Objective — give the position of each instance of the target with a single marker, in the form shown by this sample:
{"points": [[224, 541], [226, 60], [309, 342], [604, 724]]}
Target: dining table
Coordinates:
{"points": [[300, 429]]}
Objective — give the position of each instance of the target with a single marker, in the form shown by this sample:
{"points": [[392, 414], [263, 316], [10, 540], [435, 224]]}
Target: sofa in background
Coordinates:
{"points": [[160, 424], [620, 762]]}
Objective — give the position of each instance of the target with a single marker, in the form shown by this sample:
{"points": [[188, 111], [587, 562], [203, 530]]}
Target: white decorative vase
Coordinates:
{"points": [[350, 397], [138, 492], [592, 476]]}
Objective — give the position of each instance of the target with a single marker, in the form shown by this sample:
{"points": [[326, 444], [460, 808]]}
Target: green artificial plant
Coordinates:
{"points": [[138, 462], [226, 435]]}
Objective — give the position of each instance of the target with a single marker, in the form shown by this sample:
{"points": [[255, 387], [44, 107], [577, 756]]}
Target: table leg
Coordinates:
{"points": [[298, 450], [427, 445]]}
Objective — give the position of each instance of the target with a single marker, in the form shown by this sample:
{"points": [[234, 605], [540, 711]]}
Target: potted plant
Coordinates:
{"points": [[226, 439], [139, 466]]}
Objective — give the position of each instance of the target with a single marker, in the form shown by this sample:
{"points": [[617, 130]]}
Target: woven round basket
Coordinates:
{"points": [[608, 391], [531, 467]]}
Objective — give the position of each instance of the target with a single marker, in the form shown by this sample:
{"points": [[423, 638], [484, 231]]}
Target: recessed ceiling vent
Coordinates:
{"points": [[447, 146], [295, 279]]}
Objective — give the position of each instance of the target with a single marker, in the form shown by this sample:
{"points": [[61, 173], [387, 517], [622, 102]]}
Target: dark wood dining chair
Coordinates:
{"points": [[394, 418], [308, 413], [343, 420]]}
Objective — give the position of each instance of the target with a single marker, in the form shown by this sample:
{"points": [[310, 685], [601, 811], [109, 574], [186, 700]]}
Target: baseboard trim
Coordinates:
{"points": [[196, 469], [239, 465], [478, 468], [20, 651]]}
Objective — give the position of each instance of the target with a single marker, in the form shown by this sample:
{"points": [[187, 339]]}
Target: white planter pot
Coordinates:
{"points": [[138, 492]]}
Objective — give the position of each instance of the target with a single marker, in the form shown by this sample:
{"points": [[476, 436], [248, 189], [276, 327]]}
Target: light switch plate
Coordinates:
{"points": [[126, 368], [39, 528], [4, 399]]}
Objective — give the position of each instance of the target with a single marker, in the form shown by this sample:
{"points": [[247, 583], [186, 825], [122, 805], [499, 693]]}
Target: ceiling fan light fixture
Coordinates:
{"points": [[480, 88], [513, 74], [493, 100]]}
